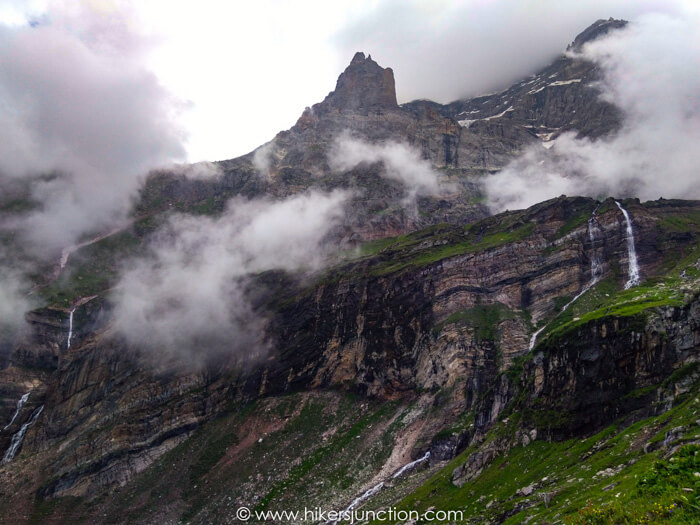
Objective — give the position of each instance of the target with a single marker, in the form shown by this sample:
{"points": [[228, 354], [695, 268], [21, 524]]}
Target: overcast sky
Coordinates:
{"points": [[242, 71]]}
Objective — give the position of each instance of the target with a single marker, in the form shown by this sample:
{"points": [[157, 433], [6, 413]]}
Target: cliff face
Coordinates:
{"points": [[599, 371], [401, 322], [448, 308]]}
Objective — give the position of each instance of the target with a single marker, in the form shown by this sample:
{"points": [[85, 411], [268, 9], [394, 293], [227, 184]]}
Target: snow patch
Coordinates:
{"points": [[554, 84], [565, 82], [467, 123]]}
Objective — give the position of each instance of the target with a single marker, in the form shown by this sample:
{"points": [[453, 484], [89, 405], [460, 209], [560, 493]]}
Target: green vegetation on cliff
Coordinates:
{"points": [[483, 318], [605, 478]]}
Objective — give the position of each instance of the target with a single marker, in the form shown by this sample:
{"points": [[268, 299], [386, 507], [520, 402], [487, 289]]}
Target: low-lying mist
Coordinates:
{"points": [[14, 302], [187, 298], [80, 104], [401, 163]]}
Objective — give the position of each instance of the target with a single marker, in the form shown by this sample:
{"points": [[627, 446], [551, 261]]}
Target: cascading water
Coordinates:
{"points": [[533, 339], [370, 492], [67, 252], [596, 267], [412, 464], [20, 404], [633, 279], [364, 497], [17, 439], [70, 327], [596, 274]]}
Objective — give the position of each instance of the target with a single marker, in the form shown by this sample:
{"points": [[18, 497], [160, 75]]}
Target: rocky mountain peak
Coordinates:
{"points": [[363, 85], [359, 58], [596, 30]]}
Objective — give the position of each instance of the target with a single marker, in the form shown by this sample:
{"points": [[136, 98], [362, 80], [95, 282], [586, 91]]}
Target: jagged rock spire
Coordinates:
{"points": [[363, 85]]}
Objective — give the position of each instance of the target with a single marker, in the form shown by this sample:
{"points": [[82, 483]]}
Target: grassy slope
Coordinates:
{"points": [[642, 488], [322, 449], [317, 448], [679, 285], [573, 474]]}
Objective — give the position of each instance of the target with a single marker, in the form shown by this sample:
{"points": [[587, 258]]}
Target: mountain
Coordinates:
{"points": [[465, 141], [538, 364]]}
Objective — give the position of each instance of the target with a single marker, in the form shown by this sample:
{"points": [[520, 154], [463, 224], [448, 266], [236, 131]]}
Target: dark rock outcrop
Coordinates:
{"points": [[596, 30], [465, 140], [585, 379], [364, 85]]}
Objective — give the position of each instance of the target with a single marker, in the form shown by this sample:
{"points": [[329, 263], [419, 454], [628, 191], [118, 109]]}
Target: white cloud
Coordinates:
{"points": [[77, 101], [198, 170], [447, 50], [262, 159], [647, 75], [249, 68], [188, 297], [13, 303], [401, 163]]}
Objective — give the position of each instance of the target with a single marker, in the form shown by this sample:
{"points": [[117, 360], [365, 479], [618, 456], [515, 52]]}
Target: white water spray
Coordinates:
{"points": [[17, 439], [370, 492], [70, 328], [596, 269], [596, 273], [533, 339], [633, 279], [20, 404], [410, 465]]}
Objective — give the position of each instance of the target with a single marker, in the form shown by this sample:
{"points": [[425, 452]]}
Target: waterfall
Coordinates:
{"points": [[359, 499], [533, 339], [70, 327], [410, 465], [67, 252], [596, 269], [633, 279], [370, 492], [20, 404], [364, 497], [596, 273], [17, 439]]}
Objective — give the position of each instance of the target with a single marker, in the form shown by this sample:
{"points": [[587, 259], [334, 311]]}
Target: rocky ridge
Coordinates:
{"points": [[463, 141]]}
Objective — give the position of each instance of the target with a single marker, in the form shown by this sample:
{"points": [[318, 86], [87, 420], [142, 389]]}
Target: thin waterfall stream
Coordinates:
{"points": [[375, 489], [633, 272], [70, 327], [20, 404], [596, 273], [18, 437]]}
